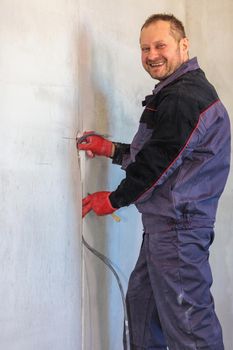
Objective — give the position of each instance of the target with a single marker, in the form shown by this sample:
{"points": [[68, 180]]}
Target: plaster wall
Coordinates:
{"points": [[64, 66], [40, 259], [112, 85], [210, 29]]}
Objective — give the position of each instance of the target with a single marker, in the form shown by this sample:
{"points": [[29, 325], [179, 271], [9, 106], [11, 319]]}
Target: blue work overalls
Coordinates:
{"points": [[169, 300]]}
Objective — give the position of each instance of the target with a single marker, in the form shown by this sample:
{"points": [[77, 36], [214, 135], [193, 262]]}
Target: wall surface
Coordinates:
{"points": [[210, 30], [112, 85], [69, 65], [40, 278]]}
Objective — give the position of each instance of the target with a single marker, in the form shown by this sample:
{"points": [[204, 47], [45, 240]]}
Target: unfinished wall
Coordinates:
{"points": [[40, 297], [112, 85], [210, 28], [43, 46]]}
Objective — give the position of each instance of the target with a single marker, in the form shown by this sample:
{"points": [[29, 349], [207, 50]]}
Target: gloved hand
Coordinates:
{"points": [[99, 202], [96, 145]]}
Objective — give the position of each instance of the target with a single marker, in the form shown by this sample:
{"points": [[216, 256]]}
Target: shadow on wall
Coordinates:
{"points": [[94, 112]]}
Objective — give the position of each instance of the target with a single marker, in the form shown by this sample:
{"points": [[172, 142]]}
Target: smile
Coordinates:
{"points": [[153, 65]]}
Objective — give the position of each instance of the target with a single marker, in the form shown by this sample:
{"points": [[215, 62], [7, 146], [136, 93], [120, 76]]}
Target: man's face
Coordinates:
{"points": [[162, 54]]}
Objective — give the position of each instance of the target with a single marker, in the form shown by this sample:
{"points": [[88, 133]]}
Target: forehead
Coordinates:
{"points": [[157, 31]]}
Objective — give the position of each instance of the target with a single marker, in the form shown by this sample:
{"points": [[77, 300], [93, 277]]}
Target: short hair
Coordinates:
{"points": [[177, 27]]}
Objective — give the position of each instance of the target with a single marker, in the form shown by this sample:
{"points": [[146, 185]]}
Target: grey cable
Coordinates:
{"points": [[108, 262]]}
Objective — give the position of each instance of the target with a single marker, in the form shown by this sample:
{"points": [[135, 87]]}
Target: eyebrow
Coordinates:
{"points": [[155, 42]]}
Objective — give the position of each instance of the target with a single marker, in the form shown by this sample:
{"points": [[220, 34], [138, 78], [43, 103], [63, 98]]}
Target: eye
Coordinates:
{"points": [[145, 49], [160, 46]]}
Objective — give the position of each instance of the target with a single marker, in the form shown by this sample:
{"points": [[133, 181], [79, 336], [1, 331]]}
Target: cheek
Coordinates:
{"points": [[143, 59]]}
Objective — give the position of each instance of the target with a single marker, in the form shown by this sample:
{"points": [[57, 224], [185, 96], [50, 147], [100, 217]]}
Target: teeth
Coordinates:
{"points": [[156, 64]]}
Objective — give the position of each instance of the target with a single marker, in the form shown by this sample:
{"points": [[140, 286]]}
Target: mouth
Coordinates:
{"points": [[156, 64]]}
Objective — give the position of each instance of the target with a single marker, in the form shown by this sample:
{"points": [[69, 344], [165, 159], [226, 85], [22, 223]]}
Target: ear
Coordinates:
{"points": [[184, 45]]}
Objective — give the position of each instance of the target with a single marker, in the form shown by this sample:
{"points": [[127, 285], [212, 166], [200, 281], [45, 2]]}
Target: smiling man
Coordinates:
{"points": [[175, 172], [164, 49]]}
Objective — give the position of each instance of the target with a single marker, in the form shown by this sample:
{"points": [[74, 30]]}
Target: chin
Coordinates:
{"points": [[157, 77]]}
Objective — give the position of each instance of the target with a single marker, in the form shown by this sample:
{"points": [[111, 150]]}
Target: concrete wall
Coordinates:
{"points": [[112, 85], [40, 260], [210, 29], [64, 66]]}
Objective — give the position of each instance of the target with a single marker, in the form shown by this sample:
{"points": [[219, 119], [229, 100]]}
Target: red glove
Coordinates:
{"points": [[96, 145], [99, 202]]}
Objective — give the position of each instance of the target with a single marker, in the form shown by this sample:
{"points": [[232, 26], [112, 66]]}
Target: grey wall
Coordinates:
{"points": [[68, 65], [40, 278], [210, 28], [112, 85]]}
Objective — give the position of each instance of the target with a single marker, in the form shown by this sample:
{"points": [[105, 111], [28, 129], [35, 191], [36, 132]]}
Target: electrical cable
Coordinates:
{"points": [[109, 263], [106, 260]]}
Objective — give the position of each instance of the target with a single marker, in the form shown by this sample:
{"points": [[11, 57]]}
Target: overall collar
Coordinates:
{"points": [[187, 66]]}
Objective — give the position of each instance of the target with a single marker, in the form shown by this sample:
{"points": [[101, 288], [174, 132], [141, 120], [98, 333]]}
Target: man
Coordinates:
{"points": [[176, 169]]}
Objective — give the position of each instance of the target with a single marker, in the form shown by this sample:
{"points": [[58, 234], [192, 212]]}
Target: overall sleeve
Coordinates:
{"points": [[122, 150], [175, 122]]}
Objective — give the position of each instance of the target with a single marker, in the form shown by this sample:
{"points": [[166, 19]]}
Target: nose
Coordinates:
{"points": [[152, 54]]}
